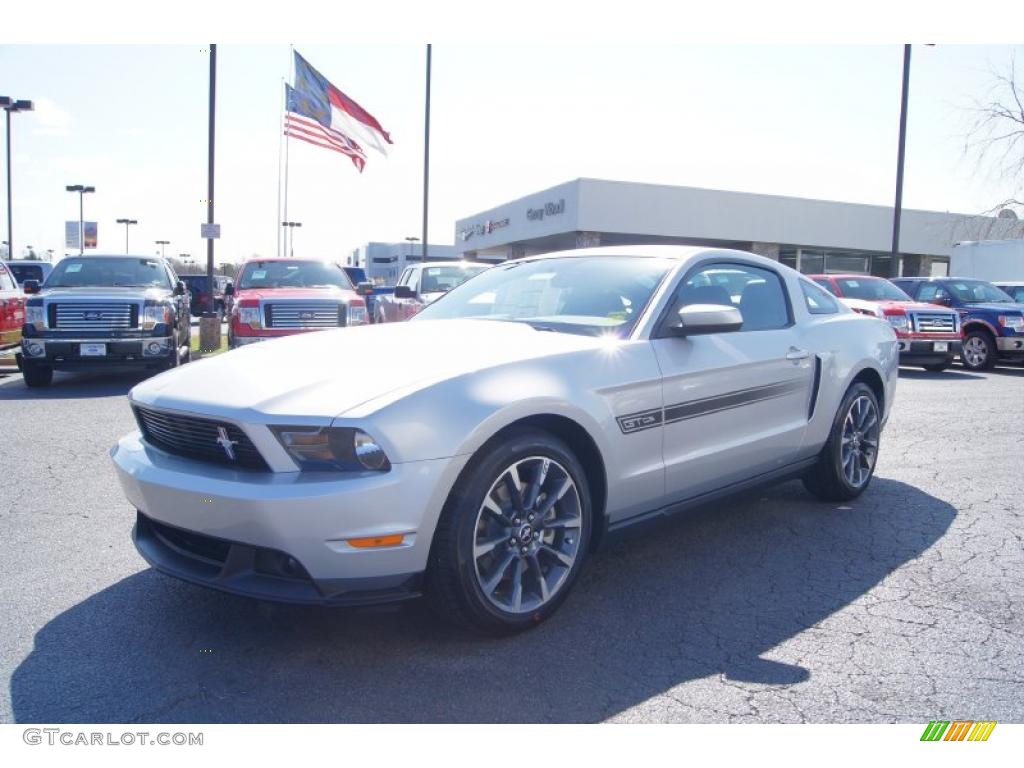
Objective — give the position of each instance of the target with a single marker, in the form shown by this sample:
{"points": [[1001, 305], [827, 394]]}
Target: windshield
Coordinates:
{"points": [[977, 292], [441, 279], [589, 294], [870, 289], [293, 274], [106, 272]]}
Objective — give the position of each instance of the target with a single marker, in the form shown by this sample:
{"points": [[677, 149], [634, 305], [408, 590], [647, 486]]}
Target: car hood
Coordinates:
{"points": [[912, 306], [1001, 309], [312, 377], [323, 294], [90, 294]]}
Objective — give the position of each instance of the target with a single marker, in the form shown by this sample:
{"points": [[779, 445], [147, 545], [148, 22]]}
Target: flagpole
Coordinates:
{"points": [[280, 145], [426, 160], [287, 146]]}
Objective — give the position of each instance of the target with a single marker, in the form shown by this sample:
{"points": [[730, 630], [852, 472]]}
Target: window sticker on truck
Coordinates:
{"points": [[74, 268]]}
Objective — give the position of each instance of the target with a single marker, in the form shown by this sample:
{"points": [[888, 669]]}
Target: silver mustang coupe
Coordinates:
{"points": [[479, 452]]}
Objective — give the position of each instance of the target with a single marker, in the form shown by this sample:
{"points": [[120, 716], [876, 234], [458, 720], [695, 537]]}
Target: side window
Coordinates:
{"points": [[826, 284], [819, 302], [6, 282], [931, 292], [757, 293]]}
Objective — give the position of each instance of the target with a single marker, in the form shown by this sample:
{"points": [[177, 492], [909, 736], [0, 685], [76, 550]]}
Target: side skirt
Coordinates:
{"points": [[789, 472]]}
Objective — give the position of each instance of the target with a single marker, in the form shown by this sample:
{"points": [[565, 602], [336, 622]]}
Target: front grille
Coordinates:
{"points": [[934, 323], [320, 314], [93, 316], [199, 439]]}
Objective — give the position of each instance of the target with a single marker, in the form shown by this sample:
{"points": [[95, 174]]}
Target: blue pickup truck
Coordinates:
{"points": [[992, 322], [366, 289]]}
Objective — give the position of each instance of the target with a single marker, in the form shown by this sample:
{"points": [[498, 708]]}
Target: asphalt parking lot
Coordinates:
{"points": [[904, 606]]}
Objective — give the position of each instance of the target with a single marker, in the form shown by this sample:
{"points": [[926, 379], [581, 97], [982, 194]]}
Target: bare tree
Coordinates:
{"points": [[995, 139]]}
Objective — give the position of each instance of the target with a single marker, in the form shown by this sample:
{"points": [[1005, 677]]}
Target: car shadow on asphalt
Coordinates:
{"points": [[708, 595], [68, 386]]}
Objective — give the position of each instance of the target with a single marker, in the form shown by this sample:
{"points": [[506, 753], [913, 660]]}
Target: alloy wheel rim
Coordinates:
{"points": [[527, 535], [859, 447], [975, 351]]}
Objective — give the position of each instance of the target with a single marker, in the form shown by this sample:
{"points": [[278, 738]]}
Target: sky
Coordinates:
{"points": [[506, 120]]}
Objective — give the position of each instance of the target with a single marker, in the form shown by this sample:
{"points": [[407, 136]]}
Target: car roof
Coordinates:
{"points": [[850, 276], [115, 256], [465, 263], [1011, 283]]}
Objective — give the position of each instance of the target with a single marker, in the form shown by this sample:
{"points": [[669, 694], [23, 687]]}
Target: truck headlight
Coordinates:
{"points": [[35, 315], [1013, 322], [154, 315], [899, 322], [356, 314], [332, 449], [249, 316]]}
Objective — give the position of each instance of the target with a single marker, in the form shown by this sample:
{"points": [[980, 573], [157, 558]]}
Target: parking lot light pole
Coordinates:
{"points": [[162, 243], [82, 192], [410, 240], [10, 105], [290, 239], [127, 223]]}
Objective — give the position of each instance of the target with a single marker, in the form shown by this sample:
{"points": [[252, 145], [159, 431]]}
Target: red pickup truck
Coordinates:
{"points": [[12, 309], [929, 335], [281, 297]]}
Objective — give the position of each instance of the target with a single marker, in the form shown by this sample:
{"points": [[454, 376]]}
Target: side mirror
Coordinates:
{"points": [[179, 288], [701, 319], [229, 289], [30, 286], [404, 292], [944, 301], [365, 289]]}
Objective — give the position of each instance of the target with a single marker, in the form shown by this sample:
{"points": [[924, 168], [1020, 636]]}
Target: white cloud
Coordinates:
{"points": [[50, 119]]}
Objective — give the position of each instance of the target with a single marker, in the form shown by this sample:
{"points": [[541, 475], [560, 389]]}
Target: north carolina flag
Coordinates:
{"points": [[336, 111]]}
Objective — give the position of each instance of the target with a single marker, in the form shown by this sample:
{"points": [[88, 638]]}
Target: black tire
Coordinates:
{"points": [[938, 367], [453, 579], [985, 343], [37, 376], [827, 479]]}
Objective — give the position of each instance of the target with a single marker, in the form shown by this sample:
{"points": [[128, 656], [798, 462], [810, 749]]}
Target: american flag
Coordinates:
{"points": [[303, 121]]}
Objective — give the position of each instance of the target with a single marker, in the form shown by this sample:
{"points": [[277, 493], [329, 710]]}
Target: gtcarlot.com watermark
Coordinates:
{"points": [[69, 738]]}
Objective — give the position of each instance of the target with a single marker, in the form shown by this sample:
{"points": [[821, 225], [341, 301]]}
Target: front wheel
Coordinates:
{"points": [[847, 462], [979, 351], [37, 376], [513, 536]]}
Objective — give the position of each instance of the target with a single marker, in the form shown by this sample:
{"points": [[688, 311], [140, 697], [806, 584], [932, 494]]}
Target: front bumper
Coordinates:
{"points": [[921, 351], [66, 354], [307, 517], [1011, 345]]}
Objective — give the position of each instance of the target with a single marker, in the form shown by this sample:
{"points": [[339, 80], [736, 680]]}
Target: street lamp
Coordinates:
{"points": [[127, 223], [290, 247], [82, 191], [410, 240], [10, 105], [162, 243]]}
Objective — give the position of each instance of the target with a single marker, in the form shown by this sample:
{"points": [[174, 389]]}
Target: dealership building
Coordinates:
{"points": [[813, 236], [384, 262]]}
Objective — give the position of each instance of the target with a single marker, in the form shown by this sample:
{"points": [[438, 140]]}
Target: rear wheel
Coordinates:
{"points": [[979, 351], [513, 537], [847, 462], [37, 375]]}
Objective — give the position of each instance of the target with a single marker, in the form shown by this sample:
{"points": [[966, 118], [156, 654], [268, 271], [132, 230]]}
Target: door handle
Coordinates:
{"points": [[797, 354]]}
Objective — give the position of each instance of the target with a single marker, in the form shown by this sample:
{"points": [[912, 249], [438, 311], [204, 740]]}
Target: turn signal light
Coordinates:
{"points": [[377, 541]]}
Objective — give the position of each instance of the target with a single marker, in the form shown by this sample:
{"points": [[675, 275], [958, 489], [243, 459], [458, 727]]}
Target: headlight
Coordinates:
{"points": [[356, 314], [154, 315], [332, 449], [36, 316], [249, 316], [1014, 322], [899, 322]]}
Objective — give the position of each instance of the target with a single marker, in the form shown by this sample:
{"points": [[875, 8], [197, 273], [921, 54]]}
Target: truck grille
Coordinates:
{"points": [[199, 439], [935, 323], [321, 314], [93, 316]]}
